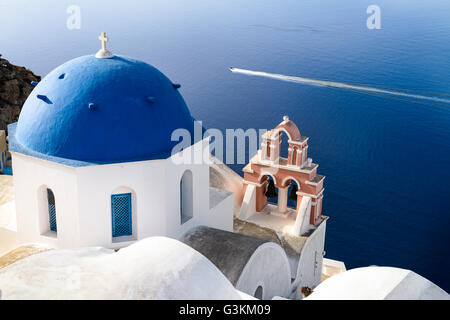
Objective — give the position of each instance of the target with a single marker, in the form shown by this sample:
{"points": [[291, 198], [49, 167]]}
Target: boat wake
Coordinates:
{"points": [[402, 94]]}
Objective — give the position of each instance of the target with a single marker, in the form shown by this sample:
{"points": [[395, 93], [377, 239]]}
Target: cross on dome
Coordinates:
{"points": [[103, 38], [103, 53]]}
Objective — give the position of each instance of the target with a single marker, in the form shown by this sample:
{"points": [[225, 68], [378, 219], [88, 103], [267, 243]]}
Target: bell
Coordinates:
{"points": [[293, 193], [271, 192]]}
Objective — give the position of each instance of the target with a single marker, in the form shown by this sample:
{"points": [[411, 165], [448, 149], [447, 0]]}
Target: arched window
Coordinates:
{"points": [[186, 197], [303, 156], [121, 213], [4, 159], [284, 145], [51, 209], [258, 293], [294, 156]]}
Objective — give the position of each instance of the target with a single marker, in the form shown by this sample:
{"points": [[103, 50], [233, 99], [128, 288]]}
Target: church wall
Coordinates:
{"points": [[268, 267], [156, 200], [83, 200], [145, 180], [200, 175], [32, 177], [309, 270], [8, 240], [202, 213], [220, 217]]}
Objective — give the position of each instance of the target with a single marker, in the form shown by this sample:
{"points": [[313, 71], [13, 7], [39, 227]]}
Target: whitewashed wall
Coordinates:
{"points": [[83, 200], [220, 216], [32, 177], [309, 270], [268, 267]]}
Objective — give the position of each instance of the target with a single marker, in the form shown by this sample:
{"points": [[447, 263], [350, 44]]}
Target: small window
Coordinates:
{"points": [[121, 215], [186, 197], [51, 209], [259, 293], [294, 156]]}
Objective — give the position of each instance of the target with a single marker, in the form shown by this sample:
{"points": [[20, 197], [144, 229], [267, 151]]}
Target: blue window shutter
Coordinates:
{"points": [[51, 209], [121, 215]]}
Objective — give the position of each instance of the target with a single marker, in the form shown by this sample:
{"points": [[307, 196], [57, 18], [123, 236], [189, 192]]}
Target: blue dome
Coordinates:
{"points": [[103, 110]]}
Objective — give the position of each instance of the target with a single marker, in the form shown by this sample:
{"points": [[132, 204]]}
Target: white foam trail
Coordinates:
{"points": [[340, 85]]}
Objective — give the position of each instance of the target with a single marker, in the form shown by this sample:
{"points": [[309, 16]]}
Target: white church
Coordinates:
{"points": [[92, 158], [93, 168]]}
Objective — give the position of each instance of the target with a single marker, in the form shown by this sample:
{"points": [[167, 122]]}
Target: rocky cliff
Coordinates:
{"points": [[15, 86]]}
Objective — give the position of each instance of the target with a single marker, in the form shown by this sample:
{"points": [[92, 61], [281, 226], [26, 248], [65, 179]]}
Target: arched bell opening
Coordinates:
{"points": [[270, 191], [284, 144], [292, 194], [288, 198], [283, 196]]}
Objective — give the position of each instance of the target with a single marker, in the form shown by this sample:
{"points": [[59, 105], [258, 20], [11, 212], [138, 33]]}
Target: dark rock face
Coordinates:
{"points": [[15, 86]]}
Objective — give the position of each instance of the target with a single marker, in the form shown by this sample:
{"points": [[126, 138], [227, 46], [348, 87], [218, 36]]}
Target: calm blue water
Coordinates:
{"points": [[386, 161]]}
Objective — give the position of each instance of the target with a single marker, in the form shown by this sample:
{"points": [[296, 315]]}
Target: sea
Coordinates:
{"points": [[386, 158]]}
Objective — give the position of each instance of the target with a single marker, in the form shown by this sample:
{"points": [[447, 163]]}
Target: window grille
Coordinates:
{"points": [[121, 214], [51, 209]]}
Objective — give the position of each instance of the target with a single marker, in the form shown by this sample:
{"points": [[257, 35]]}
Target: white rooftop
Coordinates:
{"points": [[153, 268], [377, 283]]}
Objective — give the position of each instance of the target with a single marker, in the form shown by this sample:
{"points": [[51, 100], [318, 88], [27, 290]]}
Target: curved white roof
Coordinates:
{"points": [[377, 283], [153, 268]]}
